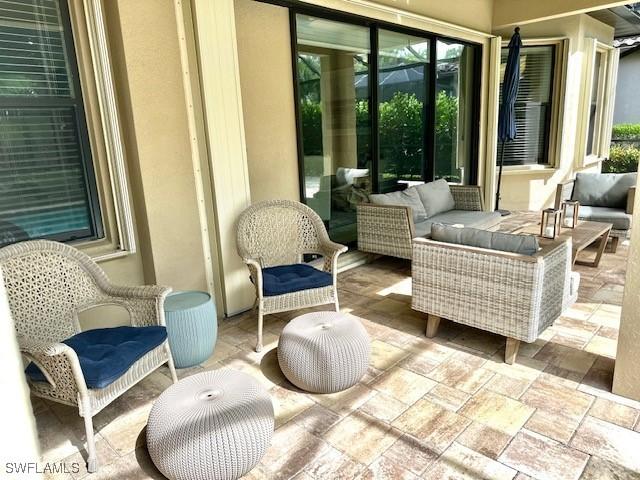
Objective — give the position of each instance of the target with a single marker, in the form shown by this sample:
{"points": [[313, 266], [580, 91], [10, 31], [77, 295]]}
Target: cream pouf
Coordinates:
{"points": [[214, 425], [324, 352]]}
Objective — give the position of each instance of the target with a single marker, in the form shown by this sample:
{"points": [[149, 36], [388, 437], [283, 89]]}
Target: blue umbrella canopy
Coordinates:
{"points": [[506, 116]]}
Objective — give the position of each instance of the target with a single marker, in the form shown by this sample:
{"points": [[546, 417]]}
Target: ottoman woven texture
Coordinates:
{"points": [[324, 352], [213, 425]]}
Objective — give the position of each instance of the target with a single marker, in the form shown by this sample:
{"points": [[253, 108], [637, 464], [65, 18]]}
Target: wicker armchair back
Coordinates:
{"points": [[47, 284], [279, 232]]}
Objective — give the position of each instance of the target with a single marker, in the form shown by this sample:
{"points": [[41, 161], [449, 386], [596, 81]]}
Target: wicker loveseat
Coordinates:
{"points": [[48, 284], [389, 229], [603, 197], [509, 294]]}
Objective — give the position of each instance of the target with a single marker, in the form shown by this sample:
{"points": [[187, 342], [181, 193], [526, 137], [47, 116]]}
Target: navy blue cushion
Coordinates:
{"points": [[105, 354], [293, 278]]}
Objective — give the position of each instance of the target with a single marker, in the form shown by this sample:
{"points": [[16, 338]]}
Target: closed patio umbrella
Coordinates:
{"points": [[506, 115]]}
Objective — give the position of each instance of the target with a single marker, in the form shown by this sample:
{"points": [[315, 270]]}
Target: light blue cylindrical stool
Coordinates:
{"points": [[192, 327]]}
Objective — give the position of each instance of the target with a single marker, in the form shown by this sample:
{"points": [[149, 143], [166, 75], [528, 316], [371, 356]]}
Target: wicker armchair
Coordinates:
{"points": [[279, 232], [619, 217], [509, 294], [48, 284]]}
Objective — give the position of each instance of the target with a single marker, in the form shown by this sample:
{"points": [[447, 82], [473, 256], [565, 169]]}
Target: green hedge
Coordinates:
{"points": [[622, 159], [626, 131]]}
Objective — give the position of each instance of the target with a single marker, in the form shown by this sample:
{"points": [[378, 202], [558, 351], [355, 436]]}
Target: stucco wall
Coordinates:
{"points": [[143, 41], [627, 109], [535, 189], [264, 55], [626, 378]]}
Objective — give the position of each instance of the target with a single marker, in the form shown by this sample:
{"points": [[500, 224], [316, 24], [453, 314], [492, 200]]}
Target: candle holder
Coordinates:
{"points": [[550, 224], [570, 213]]}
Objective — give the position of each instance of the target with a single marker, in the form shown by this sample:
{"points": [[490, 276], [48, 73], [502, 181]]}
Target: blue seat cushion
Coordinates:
{"points": [[293, 278], [105, 354]]}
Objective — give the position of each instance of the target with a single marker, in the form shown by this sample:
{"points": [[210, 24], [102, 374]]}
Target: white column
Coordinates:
{"points": [[489, 169], [220, 83]]}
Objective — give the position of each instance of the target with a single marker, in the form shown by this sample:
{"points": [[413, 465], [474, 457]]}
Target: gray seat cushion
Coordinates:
{"points": [[616, 216], [505, 242], [436, 197], [603, 189], [408, 198], [465, 218]]}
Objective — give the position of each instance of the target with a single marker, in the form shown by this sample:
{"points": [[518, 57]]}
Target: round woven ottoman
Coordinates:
{"points": [[214, 425], [324, 352]]}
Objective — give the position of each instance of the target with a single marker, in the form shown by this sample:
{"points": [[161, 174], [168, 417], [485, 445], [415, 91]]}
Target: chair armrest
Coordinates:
{"points": [[59, 364], [330, 251], [467, 197], [385, 229], [564, 191], [516, 257], [631, 196], [144, 303], [255, 271], [555, 284]]}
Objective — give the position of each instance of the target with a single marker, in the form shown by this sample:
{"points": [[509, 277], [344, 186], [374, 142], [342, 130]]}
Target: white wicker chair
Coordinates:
{"points": [[280, 232], [48, 284]]}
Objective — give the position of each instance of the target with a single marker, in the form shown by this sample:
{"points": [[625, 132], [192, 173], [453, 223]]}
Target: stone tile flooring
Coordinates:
{"points": [[447, 408]]}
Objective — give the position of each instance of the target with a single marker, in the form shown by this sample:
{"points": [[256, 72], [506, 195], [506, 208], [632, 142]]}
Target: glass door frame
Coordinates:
{"points": [[374, 26]]}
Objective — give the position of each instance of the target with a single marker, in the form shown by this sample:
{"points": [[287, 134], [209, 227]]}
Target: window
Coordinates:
{"points": [[533, 107], [596, 103], [379, 108], [593, 105], [47, 184]]}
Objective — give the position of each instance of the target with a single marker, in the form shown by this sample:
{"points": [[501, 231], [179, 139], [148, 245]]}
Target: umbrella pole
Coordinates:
{"points": [[502, 212]]}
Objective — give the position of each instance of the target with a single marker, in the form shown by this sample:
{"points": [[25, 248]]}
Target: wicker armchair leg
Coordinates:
{"points": [[433, 322], [259, 342], [92, 460], [172, 366], [511, 352]]}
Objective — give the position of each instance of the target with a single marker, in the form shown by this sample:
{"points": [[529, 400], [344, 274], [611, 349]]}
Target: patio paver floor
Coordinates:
{"points": [[444, 408]]}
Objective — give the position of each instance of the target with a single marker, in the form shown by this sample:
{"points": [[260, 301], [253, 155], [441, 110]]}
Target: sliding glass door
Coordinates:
{"points": [[403, 96], [334, 105], [379, 110]]}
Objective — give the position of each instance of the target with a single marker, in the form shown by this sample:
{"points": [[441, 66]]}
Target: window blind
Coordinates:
{"points": [[533, 106], [47, 185]]}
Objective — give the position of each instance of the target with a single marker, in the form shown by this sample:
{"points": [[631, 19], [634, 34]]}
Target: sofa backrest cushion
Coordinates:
{"points": [[436, 197], [408, 197], [505, 242], [603, 189]]}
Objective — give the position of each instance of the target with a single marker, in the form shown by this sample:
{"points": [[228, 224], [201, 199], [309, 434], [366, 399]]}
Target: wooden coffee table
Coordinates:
{"points": [[585, 234]]}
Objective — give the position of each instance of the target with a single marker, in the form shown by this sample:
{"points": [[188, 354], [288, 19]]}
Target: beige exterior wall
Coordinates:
{"points": [[626, 377], [534, 189], [147, 68], [264, 55]]}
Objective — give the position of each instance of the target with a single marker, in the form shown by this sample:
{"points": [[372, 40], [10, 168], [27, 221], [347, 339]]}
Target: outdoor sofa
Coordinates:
{"points": [[388, 222], [603, 197]]}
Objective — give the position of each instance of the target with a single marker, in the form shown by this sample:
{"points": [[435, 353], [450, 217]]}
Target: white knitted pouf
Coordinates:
{"points": [[214, 425], [324, 352]]}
